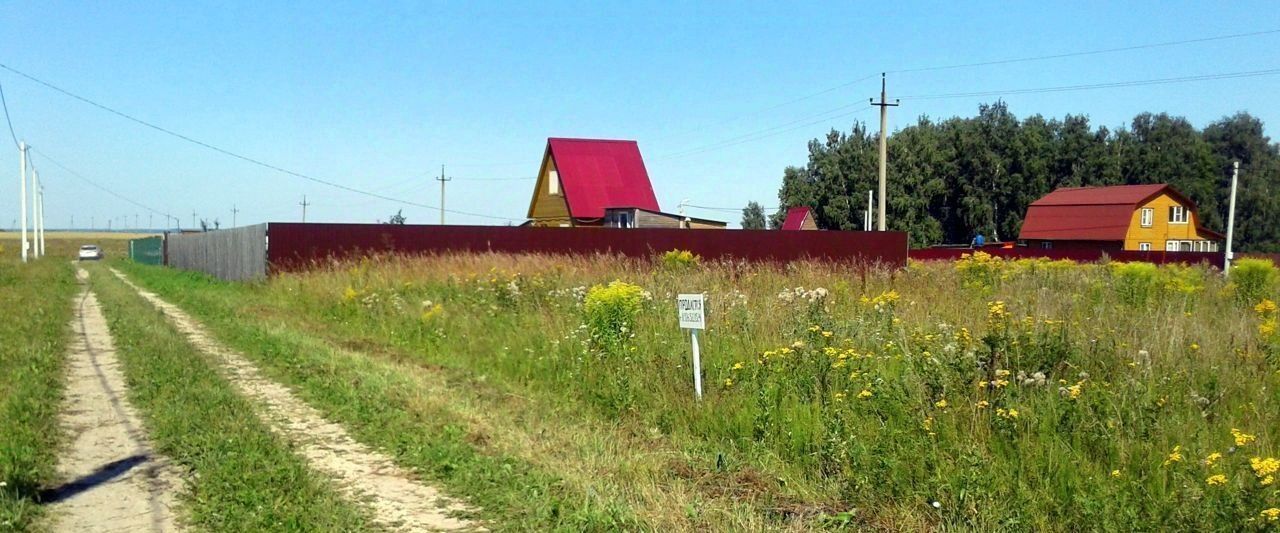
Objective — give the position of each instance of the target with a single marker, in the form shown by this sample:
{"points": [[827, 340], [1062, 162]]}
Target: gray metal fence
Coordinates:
{"points": [[230, 254]]}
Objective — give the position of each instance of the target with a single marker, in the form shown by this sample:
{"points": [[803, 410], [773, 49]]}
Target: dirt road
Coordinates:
{"points": [[113, 479], [398, 501]]}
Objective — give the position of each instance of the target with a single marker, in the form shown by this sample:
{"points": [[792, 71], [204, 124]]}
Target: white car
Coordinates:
{"points": [[90, 252]]}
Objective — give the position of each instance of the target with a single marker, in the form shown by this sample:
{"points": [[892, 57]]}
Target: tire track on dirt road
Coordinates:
{"points": [[115, 479], [398, 501]]}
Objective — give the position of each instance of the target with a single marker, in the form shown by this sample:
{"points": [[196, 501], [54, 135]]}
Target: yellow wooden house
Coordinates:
{"points": [[1124, 217]]}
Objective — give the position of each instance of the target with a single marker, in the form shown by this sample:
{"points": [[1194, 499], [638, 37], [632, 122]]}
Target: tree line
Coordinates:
{"points": [[952, 179]]}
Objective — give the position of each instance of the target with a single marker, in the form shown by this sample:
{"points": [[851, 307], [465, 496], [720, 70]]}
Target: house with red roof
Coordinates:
{"points": [[1123, 217], [799, 218], [601, 183]]}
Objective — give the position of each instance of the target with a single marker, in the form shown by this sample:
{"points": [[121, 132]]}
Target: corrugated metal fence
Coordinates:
{"points": [[230, 254], [147, 250]]}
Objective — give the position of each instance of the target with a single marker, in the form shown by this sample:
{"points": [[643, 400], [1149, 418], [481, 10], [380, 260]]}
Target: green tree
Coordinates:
{"points": [[753, 216]]}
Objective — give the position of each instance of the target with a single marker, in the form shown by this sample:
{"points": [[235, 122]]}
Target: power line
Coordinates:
{"points": [[770, 132], [1108, 85], [68, 170], [498, 179], [1085, 53], [229, 153], [6, 117]]}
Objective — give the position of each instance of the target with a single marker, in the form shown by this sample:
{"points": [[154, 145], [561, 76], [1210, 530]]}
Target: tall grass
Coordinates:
{"points": [[984, 394], [36, 303]]}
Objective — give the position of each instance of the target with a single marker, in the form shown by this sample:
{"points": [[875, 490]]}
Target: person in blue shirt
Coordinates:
{"points": [[978, 241]]}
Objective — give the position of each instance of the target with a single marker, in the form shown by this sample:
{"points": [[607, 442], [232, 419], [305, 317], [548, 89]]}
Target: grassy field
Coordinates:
{"points": [[65, 244], [981, 394], [242, 476], [36, 300]]}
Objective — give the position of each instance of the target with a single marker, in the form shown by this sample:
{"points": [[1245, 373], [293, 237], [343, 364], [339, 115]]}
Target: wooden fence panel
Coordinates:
{"points": [[229, 254]]}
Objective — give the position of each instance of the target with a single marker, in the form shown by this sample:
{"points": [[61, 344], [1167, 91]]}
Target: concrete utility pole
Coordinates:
{"points": [[304, 205], [442, 181], [234, 212], [22, 156], [135, 221], [1231, 220], [884, 147], [39, 236], [866, 219], [151, 220]]}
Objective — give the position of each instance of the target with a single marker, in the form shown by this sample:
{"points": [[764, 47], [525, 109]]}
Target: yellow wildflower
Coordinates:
{"points": [[983, 404], [1194, 347], [728, 382], [1271, 514], [839, 396], [941, 404], [864, 394], [431, 312], [1265, 307], [1175, 456], [1115, 473], [815, 329], [737, 366], [1216, 479], [1212, 458], [1013, 413], [1242, 438], [1264, 467], [827, 334], [797, 344], [349, 294]]}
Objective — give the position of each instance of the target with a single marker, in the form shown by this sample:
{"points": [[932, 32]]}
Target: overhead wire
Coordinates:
{"points": [[95, 184], [770, 132], [235, 155], [7, 120], [1092, 86]]}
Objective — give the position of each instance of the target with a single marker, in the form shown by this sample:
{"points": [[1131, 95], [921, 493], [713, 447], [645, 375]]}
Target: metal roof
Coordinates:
{"points": [[596, 174]]}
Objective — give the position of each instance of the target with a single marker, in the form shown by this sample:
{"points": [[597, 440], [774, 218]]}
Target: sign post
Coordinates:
{"points": [[692, 318]]}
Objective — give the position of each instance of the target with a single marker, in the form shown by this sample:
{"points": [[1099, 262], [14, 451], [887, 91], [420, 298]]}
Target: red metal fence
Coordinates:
{"points": [[293, 246]]}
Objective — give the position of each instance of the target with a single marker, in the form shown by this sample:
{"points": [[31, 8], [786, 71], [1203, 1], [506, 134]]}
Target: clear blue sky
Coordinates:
{"points": [[378, 96]]}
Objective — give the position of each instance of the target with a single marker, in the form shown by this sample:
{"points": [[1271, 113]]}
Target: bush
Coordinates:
{"points": [[979, 270], [1252, 279], [680, 259], [611, 313], [1135, 282]]}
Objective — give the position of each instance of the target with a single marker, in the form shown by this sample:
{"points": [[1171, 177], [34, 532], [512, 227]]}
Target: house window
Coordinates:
{"points": [[1177, 214], [1213, 246], [1148, 216], [1170, 246], [1144, 246], [1047, 245], [624, 220], [553, 182], [1184, 246]]}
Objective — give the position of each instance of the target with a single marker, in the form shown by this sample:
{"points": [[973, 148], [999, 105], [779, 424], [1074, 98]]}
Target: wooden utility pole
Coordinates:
{"points": [[884, 148], [193, 220], [234, 211], [442, 181], [304, 205]]}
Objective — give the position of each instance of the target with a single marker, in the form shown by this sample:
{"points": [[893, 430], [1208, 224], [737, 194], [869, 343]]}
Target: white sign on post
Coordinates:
{"points": [[693, 318]]}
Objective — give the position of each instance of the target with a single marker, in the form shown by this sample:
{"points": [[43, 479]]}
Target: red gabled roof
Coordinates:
{"points": [[1091, 213], [795, 218], [596, 174]]}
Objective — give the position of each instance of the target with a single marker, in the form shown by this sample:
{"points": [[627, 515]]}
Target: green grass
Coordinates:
{"points": [[860, 407], [241, 476], [35, 310], [394, 411]]}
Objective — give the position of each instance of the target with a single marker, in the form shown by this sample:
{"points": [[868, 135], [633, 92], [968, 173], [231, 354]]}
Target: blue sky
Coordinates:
{"points": [[378, 96]]}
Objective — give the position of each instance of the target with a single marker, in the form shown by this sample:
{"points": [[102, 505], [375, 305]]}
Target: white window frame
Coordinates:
{"points": [[1148, 216], [1144, 246], [1189, 246], [1179, 215], [1170, 246], [1046, 245], [553, 182]]}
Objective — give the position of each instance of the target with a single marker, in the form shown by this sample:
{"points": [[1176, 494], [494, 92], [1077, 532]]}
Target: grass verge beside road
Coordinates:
{"points": [[242, 476], [35, 302]]}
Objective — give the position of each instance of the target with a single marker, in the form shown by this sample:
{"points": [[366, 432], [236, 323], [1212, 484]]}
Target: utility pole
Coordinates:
{"points": [[866, 222], [442, 181], [884, 147], [39, 236], [304, 205], [193, 219], [1231, 220], [234, 212], [135, 221], [151, 221], [22, 156]]}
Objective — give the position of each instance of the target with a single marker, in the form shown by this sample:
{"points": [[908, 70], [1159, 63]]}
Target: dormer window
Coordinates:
{"points": [[553, 182], [1177, 214]]}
